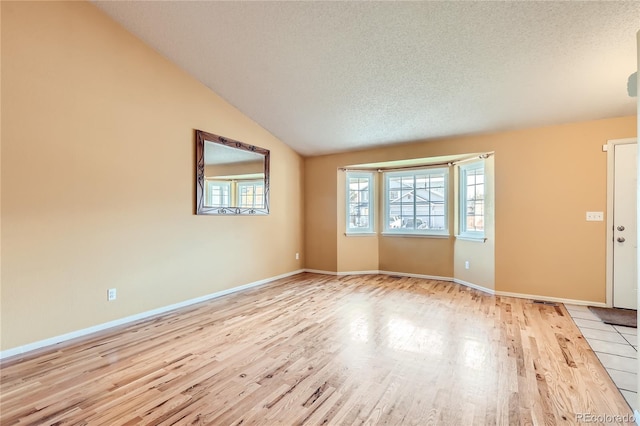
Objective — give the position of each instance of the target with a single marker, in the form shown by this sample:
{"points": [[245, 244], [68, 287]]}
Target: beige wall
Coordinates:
{"points": [[89, 115], [415, 255], [321, 214], [545, 180]]}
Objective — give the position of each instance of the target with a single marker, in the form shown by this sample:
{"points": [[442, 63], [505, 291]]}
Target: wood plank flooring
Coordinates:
{"points": [[314, 349]]}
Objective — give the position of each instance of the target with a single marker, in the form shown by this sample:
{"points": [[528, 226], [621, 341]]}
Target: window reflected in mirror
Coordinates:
{"points": [[232, 177]]}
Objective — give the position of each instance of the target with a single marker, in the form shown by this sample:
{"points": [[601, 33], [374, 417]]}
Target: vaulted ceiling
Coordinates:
{"points": [[334, 76]]}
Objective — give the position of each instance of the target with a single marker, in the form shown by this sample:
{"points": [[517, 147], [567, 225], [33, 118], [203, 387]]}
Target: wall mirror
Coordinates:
{"points": [[232, 177]]}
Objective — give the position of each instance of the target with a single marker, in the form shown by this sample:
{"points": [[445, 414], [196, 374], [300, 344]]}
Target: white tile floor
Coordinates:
{"points": [[615, 346]]}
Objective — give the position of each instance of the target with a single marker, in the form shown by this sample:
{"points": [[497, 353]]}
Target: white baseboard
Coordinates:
{"points": [[104, 326], [426, 277], [341, 274], [321, 272], [476, 286], [551, 299], [376, 272]]}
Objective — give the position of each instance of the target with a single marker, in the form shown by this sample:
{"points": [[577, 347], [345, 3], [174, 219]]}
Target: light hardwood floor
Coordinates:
{"points": [[315, 349]]}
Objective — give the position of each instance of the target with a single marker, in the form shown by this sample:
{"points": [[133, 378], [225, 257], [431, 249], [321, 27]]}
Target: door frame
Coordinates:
{"points": [[610, 246]]}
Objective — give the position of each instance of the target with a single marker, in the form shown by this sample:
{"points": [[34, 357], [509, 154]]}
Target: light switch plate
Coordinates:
{"points": [[595, 216]]}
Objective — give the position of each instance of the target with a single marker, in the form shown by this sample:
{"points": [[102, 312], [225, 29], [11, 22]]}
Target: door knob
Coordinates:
{"points": [[620, 228], [621, 239]]}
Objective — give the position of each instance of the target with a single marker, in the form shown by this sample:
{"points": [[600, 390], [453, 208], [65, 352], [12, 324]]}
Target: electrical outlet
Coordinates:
{"points": [[297, 256], [111, 294], [466, 264], [595, 216]]}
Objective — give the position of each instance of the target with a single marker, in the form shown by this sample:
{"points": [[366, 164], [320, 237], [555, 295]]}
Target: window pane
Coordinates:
{"points": [[359, 202], [473, 203], [218, 194], [250, 194], [407, 210], [422, 222], [416, 201]]}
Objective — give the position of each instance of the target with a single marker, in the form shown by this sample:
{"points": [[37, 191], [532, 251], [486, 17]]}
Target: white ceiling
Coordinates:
{"points": [[334, 76]]}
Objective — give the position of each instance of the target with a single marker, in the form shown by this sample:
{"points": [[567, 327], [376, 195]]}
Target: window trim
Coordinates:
{"points": [[255, 183], [463, 169], [371, 229], [416, 233]]}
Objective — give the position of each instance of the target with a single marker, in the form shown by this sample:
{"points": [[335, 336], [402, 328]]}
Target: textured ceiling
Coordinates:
{"points": [[333, 76]]}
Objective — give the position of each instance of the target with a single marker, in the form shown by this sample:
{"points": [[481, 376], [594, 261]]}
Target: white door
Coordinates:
{"points": [[625, 246]]}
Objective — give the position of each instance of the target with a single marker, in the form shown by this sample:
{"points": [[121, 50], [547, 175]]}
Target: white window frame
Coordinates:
{"points": [[245, 184], [463, 169], [221, 184], [444, 171], [371, 205]]}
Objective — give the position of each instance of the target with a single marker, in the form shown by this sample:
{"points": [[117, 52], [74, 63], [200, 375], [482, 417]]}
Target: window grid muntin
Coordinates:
{"points": [[219, 194], [473, 193], [409, 211], [359, 197], [251, 194]]}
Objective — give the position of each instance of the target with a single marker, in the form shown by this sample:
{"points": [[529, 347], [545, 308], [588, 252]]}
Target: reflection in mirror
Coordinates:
{"points": [[231, 177]]}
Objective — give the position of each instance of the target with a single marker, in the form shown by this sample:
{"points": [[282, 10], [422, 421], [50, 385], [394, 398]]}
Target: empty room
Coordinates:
{"points": [[282, 213]]}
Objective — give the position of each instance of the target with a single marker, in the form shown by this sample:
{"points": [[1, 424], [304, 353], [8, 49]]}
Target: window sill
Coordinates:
{"points": [[360, 234], [399, 234], [477, 239]]}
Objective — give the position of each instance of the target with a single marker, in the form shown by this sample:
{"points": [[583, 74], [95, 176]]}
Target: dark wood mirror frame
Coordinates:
{"points": [[201, 209]]}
